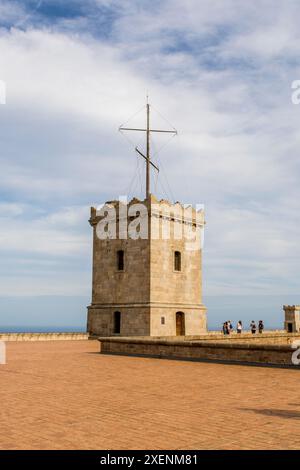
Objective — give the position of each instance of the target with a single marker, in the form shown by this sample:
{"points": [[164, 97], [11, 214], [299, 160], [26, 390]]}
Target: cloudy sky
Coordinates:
{"points": [[221, 71]]}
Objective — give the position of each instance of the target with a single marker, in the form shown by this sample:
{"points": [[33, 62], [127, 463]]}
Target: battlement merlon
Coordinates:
{"points": [[163, 209], [291, 308]]}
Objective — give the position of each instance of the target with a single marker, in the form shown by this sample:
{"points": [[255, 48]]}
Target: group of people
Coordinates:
{"points": [[228, 327]]}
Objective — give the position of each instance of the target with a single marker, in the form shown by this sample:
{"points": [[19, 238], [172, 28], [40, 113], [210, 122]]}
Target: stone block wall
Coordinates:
{"points": [[163, 320], [196, 350], [292, 318], [43, 336], [135, 320], [148, 286]]}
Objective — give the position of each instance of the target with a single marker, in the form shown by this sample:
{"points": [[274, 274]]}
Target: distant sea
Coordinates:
{"points": [[70, 329], [41, 329]]}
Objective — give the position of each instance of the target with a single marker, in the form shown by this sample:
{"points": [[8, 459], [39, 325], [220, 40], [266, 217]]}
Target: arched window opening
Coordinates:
{"points": [[177, 261], [120, 260], [117, 323]]}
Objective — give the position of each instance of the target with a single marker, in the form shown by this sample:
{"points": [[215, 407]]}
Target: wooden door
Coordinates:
{"points": [[180, 327]]}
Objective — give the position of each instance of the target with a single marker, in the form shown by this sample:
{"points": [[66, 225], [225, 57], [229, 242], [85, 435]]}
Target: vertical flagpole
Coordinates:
{"points": [[148, 153], [147, 156]]}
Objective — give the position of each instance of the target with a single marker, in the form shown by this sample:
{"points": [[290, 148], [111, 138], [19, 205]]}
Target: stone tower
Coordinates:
{"points": [[147, 282], [147, 275]]}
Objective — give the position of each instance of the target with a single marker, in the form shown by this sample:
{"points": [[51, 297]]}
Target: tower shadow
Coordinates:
{"points": [[286, 414]]}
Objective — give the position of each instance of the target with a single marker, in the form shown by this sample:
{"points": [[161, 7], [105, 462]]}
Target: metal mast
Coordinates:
{"points": [[147, 157], [148, 161]]}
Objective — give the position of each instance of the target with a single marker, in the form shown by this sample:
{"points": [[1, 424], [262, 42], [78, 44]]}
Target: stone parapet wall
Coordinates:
{"points": [[268, 337], [252, 353], [43, 336], [245, 332]]}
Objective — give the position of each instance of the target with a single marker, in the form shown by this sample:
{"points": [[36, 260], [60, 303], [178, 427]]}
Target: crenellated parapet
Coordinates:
{"points": [[150, 207]]}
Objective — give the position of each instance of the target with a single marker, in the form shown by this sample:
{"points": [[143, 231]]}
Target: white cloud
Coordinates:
{"points": [[219, 73], [10, 11], [56, 234]]}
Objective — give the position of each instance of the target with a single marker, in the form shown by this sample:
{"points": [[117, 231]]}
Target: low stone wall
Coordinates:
{"points": [[42, 336], [233, 351], [268, 337]]}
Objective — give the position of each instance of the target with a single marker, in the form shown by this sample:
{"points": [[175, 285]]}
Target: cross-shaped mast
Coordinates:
{"points": [[147, 156]]}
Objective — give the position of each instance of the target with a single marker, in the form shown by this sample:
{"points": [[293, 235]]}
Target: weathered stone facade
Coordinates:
{"points": [[224, 351], [292, 318], [151, 297], [259, 351]]}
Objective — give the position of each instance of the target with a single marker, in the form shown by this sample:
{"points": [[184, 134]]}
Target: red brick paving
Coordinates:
{"points": [[63, 395]]}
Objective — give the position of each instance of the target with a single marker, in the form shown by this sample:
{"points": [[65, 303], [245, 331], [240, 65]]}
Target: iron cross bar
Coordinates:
{"points": [[147, 156], [151, 163], [145, 130]]}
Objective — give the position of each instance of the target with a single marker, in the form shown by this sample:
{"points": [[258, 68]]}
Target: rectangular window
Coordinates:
{"points": [[163, 320], [117, 323], [120, 260], [177, 261]]}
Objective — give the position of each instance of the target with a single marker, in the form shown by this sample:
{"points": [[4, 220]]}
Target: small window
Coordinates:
{"points": [[117, 323], [163, 320], [177, 261], [120, 260]]}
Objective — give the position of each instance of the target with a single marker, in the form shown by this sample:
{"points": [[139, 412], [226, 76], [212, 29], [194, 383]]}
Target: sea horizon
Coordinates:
{"points": [[70, 329]]}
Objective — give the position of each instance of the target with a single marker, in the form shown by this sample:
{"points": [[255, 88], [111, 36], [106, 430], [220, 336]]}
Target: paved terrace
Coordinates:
{"points": [[64, 395]]}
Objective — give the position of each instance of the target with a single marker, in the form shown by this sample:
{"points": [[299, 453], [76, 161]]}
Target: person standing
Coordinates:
{"points": [[230, 327], [261, 326], [239, 327], [253, 327], [226, 328]]}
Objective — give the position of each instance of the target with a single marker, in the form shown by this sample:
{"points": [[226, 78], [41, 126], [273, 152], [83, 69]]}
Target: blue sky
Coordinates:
{"points": [[220, 71]]}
